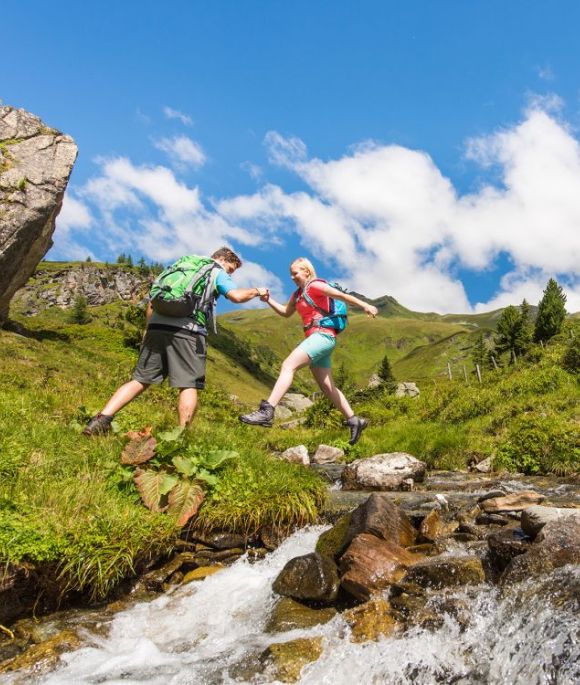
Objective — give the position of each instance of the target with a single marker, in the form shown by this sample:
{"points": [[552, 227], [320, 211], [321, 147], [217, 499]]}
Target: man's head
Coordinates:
{"points": [[228, 259]]}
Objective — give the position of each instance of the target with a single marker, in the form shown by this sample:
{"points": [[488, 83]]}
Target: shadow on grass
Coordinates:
{"points": [[39, 335]]}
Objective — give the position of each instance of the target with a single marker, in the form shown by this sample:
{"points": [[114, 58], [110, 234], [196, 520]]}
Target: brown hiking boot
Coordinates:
{"points": [[261, 417], [100, 424]]}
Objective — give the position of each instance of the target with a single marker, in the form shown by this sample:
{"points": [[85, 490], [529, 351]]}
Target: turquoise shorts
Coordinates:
{"points": [[319, 347]]}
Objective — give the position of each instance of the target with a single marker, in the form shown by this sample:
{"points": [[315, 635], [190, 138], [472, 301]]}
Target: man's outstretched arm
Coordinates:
{"points": [[239, 295]]}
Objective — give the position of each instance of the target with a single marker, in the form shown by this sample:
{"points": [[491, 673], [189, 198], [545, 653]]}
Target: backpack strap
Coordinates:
{"points": [[208, 298], [311, 302]]}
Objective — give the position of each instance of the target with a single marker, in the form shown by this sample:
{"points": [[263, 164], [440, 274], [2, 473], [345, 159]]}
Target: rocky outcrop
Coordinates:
{"points": [[35, 165], [311, 578], [58, 287]]}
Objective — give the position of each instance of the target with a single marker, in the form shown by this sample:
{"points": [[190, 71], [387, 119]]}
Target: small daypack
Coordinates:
{"points": [[337, 316], [185, 289]]}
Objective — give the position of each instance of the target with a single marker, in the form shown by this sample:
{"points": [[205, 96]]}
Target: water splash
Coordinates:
{"points": [[204, 633]]}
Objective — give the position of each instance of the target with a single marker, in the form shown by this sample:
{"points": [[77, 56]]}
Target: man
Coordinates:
{"points": [[175, 348]]}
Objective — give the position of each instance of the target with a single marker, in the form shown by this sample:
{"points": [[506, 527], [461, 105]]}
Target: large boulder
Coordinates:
{"points": [[407, 390], [442, 572], [378, 516], [35, 165], [517, 501], [296, 455], [327, 454], [371, 565], [311, 578], [383, 472], [534, 518], [556, 545]]}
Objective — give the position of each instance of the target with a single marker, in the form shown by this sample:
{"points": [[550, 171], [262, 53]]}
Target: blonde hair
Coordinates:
{"points": [[306, 264]]}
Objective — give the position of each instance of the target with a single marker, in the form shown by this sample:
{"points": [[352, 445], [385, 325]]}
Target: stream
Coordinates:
{"points": [[212, 632]]}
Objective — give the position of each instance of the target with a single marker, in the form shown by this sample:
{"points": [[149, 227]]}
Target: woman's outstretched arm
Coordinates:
{"points": [[328, 290], [284, 310]]}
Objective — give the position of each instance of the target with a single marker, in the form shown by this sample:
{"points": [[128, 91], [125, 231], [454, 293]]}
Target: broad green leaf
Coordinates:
{"points": [[172, 435], [206, 477], [216, 458], [184, 501], [184, 465], [148, 483], [168, 482]]}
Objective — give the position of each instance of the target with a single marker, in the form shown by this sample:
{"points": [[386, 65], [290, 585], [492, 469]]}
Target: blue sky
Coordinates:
{"points": [[425, 150]]}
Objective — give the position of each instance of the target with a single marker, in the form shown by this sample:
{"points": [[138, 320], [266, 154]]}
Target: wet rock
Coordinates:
{"points": [[154, 581], [273, 536], [514, 502], [289, 614], [478, 532], [557, 544], [435, 526], [383, 472], [534, 518], [35, 165], [43, 657], [491, 495], [370, 565], [201, 573], [492, 519], [504, 545], [330, 472], [296, 455], [334, 541], [383, 519], [371, 620], [220, 539], [407, 390], [296, 402], [442, 572], [286, 660], [326, 454], [209, 555], [311, 577]]}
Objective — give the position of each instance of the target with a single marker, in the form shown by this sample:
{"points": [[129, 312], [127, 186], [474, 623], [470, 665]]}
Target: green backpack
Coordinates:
{"points": [[185, 289]]}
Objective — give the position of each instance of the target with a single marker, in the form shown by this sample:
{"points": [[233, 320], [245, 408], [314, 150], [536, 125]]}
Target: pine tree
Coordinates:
{"points": [[551, 312], [526, 328], [479, 353], [79, 313], [385, 373], [508, 331], [129, 260], [122, 258]]}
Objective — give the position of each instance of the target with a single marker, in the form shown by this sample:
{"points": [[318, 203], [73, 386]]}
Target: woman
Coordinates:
{"points": [[315, 350]]}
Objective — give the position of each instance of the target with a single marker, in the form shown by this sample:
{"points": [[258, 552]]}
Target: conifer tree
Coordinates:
{"points": [[122, 258], [385, 373], [551, 312], [80, 313], [526, 327], [129, 260], [479, 353], [508, 331]]}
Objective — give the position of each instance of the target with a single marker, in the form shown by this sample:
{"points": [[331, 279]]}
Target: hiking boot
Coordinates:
{"points": [[100, 424], [261, 417], [357, 426]]}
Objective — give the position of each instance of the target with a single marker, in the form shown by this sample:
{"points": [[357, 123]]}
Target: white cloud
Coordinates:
{"points": [[253, 170], [388, 220], [147, 209], [546, 73], [74, 220], [383, 218], [182, 151], [74, 214], [171, 113]]}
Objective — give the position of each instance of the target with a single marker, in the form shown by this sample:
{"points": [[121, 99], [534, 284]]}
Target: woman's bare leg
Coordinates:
{"points": [[295, 360], [326, 383]]}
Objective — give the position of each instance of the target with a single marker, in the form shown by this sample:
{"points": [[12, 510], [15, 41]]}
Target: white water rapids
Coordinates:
{"points": [[212, 632]]}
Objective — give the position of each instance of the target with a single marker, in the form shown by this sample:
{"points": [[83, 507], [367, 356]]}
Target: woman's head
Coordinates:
{"points": [[302, 271]]}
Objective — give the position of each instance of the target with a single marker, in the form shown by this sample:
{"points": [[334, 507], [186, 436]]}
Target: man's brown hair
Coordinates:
{"points": [[228, 255]]}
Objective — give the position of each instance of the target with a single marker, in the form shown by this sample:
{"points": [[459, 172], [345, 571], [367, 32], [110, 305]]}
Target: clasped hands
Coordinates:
{"points": [[264, 294]]}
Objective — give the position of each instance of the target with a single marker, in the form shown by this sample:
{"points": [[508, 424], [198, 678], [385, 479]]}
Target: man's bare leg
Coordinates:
{"points": [[187, 405], [122, 396]]}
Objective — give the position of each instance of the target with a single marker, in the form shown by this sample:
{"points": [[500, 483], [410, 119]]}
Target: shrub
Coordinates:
{"points": [[571, 357]]}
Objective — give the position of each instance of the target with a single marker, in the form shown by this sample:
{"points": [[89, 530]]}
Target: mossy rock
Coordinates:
{"points": [[371, 620], [44, 656], [287, 659], [288, 615], [334, 541], [201, 573]]}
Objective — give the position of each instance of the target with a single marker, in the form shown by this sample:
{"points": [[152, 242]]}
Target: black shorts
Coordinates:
{"points": [[178, 356]]}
